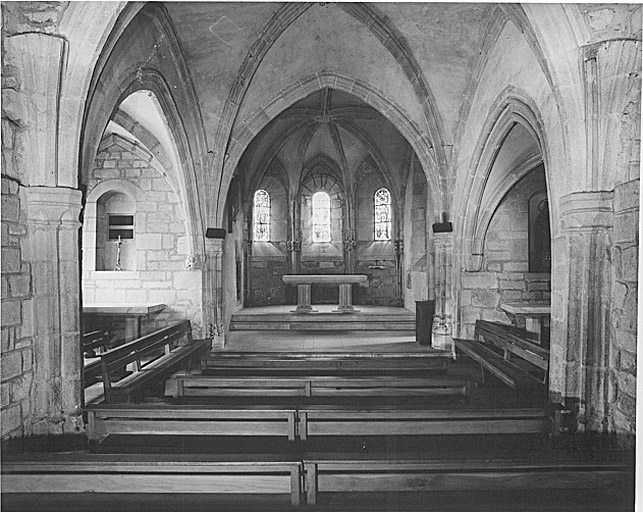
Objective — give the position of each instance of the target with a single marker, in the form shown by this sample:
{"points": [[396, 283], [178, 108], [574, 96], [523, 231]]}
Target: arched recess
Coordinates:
{"points": [[126, 76], [512, 108], [90, 224], [185, 177], [255, 122]]}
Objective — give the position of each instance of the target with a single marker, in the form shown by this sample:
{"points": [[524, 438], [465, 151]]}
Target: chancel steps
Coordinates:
{"points": [[322, 321]]}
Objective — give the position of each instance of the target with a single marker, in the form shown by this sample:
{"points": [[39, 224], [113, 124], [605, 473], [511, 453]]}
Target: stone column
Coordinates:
{"points": [[247, 270], [294, 249], [52, 252], [213, 293], [399, 254], [581, 343], [349, 255], [442, 326]]}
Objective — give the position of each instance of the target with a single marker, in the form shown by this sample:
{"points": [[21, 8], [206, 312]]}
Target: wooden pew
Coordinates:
{"points": [[140, 473], [339, 420], [153, 357], [522, 365], [94, 343], [352, 362], [312, 386], [413, 472], [513, 345], [104, 420]]}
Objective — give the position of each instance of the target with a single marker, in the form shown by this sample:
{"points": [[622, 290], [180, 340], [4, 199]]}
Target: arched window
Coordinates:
{"points": [[261, 216], [382, 200], [321, 217]]}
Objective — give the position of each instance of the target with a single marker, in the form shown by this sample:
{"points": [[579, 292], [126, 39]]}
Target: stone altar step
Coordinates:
{"points": [[281, 319]]}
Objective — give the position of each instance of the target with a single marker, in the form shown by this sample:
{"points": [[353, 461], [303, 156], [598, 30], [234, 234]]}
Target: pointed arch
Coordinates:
{"points": [[511, 108], [257, 120]]}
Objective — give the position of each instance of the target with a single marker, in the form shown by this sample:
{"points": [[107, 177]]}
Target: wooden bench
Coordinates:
{"points": [[94, 343], [351, 362], [413, 472], [205, 385], [338, 420], [522, 365], [153, 357], [140, 473], [104, 420]]}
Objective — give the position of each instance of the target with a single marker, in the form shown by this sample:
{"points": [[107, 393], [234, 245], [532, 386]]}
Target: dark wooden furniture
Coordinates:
{"points": [[316, 385], [94, 343], [151, 357], [341, 420], [141, 473], [194, 420], [350, 362], [518, 363], [413, 472]]}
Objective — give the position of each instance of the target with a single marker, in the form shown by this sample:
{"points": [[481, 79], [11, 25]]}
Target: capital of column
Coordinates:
{"points": [[350, 244], [47, 206], [586, 211], [213, 246], [293, 245], [443, 241]]}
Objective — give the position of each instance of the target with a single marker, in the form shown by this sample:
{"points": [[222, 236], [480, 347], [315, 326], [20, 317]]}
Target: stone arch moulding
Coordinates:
{"points": [[511, 108], [256, 121], [186, 176]]}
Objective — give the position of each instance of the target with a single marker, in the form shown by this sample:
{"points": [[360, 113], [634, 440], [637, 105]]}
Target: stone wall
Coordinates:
{"points": [[163, 271], [17, 313], [270, 259], [505, 275]]}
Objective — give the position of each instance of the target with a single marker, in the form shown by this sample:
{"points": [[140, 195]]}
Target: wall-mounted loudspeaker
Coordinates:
{"points": [[215, 233], [442, 227]]}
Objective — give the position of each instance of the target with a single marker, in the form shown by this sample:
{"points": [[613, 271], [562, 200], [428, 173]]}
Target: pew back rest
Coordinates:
{"points": [[143, 351], [513, 344], [95, 341]]}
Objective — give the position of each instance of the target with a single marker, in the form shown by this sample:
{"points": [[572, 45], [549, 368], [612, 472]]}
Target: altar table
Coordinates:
{"points": [[345, 282], [132, 313]]}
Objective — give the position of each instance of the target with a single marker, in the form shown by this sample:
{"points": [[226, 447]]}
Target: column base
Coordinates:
{"points": [[304, 309], [345, 309]]}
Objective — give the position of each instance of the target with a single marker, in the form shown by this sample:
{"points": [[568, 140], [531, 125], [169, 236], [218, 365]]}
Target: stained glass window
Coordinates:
{"points": [[382, 202], [262, 216], [321, 217]]}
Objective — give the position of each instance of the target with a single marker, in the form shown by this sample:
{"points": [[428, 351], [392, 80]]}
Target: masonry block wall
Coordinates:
{"points": [[17, 298], [505, 275], [17, 312], [163, 271], [625, 257]]}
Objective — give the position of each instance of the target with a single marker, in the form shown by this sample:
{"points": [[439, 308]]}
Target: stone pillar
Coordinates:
{"points": [[399, 255], [52, 252], [247, 270], [442, 325], [581, 345], [213, 292], [349, 255], [294, 249]]}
